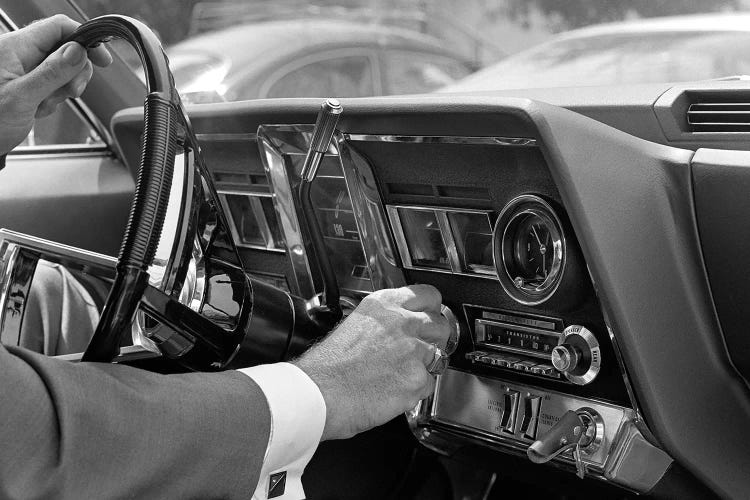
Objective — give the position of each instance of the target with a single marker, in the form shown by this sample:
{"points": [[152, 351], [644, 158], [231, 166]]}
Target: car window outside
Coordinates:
{"points": [[435, 40], [414, 72], [348, 76]]}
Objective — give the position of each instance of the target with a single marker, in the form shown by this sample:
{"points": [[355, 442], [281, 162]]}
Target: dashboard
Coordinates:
{"points": [[568, 250]]}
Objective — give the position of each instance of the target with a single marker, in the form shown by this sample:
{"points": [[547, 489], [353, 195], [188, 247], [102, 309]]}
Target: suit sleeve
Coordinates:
{"points": [[93, 430]]}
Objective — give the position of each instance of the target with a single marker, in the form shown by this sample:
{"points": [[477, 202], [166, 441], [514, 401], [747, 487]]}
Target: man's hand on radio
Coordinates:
{"points": [[373, 366]]}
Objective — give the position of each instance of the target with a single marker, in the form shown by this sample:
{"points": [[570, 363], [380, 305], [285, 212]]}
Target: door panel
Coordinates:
{"points": [[80, 199]]}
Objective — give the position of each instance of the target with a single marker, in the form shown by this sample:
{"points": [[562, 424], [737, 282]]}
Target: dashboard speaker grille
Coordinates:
{"points": [[719, 117]]}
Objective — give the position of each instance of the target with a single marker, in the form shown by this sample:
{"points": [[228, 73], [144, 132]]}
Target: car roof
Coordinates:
{"points": [[729, 21], [280, 39]]}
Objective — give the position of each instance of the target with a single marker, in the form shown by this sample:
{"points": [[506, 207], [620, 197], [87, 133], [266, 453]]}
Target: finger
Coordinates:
{"points": [[44, 35], [60, 68], [432, 328], [48, 33], [100, 56], [416, 297], [77, 86]]}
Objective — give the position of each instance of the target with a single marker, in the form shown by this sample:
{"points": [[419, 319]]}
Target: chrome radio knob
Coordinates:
{"points": [[455, 335], [565, 358], [577, 355]]}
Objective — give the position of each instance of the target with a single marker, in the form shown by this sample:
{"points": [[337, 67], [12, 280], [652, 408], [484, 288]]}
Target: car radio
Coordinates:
{"points": [[537, 345]]}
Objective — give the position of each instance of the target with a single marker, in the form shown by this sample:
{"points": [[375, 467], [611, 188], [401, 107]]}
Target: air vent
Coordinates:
{"points": [[437, 192], [719, 117]]}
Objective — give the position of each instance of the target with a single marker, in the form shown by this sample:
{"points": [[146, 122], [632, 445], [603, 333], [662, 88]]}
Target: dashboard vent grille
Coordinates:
{"points": [[719, 117], [437, 192]]}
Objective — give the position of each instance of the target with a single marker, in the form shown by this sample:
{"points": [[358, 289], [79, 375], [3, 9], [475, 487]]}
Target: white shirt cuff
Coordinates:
{"points": [[298, 416]]}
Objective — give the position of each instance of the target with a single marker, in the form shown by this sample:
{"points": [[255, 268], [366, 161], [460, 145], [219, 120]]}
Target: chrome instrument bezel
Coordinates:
{"points": [[455, 255], [260, 217], [502, 246], [276, 142]]}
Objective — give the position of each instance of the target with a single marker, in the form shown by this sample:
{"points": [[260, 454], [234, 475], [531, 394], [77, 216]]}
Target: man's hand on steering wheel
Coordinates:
{"points": [[33, 83], [374, 366]]}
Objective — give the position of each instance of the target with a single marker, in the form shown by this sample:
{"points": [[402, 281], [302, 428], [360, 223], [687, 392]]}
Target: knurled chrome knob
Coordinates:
{"points": [[565, 358]]}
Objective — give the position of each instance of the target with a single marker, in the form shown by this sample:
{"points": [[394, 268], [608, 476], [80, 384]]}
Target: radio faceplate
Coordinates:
{"points": [[515, 342]]}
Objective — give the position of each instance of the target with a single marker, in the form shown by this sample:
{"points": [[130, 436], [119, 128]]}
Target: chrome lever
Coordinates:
{"points": [[329, 313]]}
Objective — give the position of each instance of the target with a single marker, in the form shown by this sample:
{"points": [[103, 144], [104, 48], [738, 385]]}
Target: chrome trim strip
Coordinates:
{"points": [[273, 147], [443, 139], [446, 232], [8, 21], [46, 246], [55, 151], [448, 241], [228, 137]]}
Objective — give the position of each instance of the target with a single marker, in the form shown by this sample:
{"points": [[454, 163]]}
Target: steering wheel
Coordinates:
{"points": [[200, 334]]}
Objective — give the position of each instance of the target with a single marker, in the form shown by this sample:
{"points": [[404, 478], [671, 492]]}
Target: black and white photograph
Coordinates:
{"points": [[374, 249]]}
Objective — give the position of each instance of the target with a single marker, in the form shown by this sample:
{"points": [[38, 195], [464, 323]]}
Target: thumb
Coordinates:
{"points": [[57, 70]]}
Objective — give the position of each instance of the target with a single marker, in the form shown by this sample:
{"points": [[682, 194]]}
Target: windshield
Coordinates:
{"points": [[223, 50]]}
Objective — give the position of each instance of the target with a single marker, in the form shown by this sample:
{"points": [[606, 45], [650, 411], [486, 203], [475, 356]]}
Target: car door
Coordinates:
{"points": [[65, 182]]}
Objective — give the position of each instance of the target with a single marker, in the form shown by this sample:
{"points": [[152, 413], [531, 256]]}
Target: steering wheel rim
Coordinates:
{"points": [[162, 116]]}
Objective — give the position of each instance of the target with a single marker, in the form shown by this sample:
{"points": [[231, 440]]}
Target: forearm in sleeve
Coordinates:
{"points": [[93, 430]]}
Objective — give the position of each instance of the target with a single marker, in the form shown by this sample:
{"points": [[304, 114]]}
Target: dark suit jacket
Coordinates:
{"points": [[99, 431]]}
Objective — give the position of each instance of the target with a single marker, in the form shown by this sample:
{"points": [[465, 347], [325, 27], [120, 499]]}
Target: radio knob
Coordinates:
{"points": [[565, 358], [577, 355]]}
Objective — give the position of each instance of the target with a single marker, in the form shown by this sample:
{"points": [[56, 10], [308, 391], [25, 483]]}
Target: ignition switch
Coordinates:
{"points": [[576, 431]]}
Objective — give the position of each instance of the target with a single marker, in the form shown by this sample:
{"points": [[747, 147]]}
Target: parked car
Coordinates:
{"points": [[312, 58], [668, 49]]}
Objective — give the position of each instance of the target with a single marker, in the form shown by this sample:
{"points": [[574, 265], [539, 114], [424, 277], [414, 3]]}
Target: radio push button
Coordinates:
{"points": [[546, 370], [524, 365]]}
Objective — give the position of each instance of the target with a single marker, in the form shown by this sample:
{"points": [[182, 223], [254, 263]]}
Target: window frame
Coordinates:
{"points": [[80, 109], [325, 55]]}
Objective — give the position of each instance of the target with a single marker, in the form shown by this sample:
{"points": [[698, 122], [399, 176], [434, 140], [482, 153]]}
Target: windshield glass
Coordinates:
{"points": [[224, 50]]}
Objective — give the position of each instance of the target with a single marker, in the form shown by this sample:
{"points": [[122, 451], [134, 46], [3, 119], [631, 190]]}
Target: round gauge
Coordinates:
{"points": [[529, 250]]}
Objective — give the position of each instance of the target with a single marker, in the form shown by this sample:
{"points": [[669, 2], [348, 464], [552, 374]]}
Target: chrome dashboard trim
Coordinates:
{"points": [[443, 139], [369, 215], [227, 137], [461, 412], [272, 149]]}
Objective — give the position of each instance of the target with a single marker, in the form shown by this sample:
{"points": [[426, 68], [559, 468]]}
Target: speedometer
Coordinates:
{"points": [[529, 250]]}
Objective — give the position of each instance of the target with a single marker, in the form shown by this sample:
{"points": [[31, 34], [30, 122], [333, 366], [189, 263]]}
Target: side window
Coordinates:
{"points": [[408, 72], [65, 126], [348, 76]]}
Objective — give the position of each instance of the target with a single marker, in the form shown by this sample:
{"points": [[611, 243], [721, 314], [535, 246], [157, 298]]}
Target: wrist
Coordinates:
{"points": [[321, 379]]}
